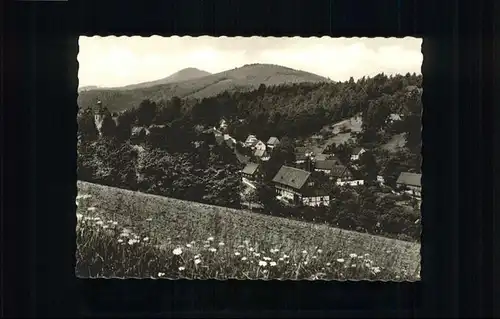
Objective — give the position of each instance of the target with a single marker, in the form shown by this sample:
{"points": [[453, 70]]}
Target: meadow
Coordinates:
{"points": [[121, 233]]}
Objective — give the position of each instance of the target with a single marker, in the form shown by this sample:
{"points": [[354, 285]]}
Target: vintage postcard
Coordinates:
{"points": [[253, 158]]}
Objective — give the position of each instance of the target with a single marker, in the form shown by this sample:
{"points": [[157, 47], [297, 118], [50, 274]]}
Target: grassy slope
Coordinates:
{"points": [[245, 78], [186, 221]]}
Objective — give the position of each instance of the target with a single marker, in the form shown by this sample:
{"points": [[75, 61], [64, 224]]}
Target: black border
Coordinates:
{"points": [[40, 129]]}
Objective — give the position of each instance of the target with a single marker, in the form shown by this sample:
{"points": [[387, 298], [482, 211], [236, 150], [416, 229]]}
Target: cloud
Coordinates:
{"points": [[117, 61]]}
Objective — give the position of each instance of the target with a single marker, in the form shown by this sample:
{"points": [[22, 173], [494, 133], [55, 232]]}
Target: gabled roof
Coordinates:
{"points": [[250, 138], [410, 179], [291, 177], [273, 140], [250, 168], [326, 164], [339, 171]]}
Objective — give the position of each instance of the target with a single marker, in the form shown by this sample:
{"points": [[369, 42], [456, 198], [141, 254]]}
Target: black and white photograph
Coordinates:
{"points": [[251, 158]]}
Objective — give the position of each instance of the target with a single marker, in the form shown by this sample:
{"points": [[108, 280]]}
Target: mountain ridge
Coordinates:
{"points": [[244, 78]]}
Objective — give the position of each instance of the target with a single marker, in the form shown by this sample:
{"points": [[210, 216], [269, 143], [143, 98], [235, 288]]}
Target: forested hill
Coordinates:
{"points": [[161, 148], [245, 78]]}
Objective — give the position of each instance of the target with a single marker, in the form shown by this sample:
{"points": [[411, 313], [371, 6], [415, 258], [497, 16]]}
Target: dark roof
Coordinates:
{"points": [[339, 171], [291, 177], [273, 140], [259, 153], [230, 142], [326, 164], [250, 168], [356, 150], [242, 158], [410, 179], [219, 139]]}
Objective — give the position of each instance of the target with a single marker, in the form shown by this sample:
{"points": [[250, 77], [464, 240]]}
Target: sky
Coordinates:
{"points": [[118, 61]]}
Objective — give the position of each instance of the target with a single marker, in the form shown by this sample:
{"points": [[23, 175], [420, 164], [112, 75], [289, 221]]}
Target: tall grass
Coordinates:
{"points": [[105, 248]]}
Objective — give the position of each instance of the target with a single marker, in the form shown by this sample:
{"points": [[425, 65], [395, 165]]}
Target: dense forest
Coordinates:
{"points": [[159, 147]]}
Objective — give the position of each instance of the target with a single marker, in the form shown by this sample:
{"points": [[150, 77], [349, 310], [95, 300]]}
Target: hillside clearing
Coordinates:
{"points": [[186, 221]]}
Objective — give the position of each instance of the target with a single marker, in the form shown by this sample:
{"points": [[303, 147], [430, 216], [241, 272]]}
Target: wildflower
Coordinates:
{"points": [[250, 249], [177, 251], [79, 216], [99, 222], [105, 226], [161, 274], [256, 254], [285, 256], [120, 240], [361, 257], [340, 260], [328, 264], [304, 252], [196, 256], [77, 204], [314, 257], [376, 270], [281, 259], [353, 265], [264, 271], [146, 239], [91, 209], [206, 245], [262, 263], [305, 262], [320, 251], [221, 244], [197, 261], [213, 249], [124, 235], [274, 250], [266, 258], [236, 253], [132, 241], [210, 239], [96, 218], [115, 223], [243, 258], [246, 242], [181, 268], [241, 246], [188, 245], [353, 255], [366, 255], [149, 219], [388, 251], [367, 265], [272, 263]]}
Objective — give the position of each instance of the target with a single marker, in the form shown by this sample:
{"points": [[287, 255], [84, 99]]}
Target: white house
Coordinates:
{"points": [[356, 152], [380, 179], [295, 185], [259, 146], [251, 141], [350, 183], [223, 124]]}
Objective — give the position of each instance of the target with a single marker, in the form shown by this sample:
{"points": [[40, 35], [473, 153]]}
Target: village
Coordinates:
{"points": [[293, 183]]}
